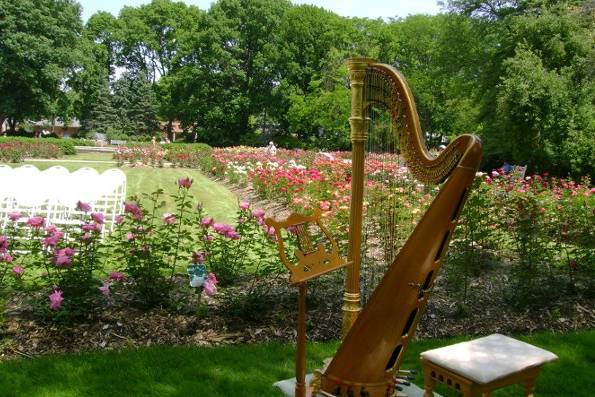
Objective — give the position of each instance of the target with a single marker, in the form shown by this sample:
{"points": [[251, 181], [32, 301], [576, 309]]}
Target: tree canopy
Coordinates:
{"points": [[520, 73]]}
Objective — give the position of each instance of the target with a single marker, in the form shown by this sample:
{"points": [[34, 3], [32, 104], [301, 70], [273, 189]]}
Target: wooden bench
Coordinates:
{"points": [[483, 365]]}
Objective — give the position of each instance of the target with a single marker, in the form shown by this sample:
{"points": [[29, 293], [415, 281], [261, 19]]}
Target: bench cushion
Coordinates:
{"points": [[486, 359]]}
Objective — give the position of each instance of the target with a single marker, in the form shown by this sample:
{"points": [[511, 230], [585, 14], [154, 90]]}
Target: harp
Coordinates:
{"points": [[376, 337]]}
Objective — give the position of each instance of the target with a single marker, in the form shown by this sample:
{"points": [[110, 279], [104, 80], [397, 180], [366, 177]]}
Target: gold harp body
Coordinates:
{"points": [[376, 338]]}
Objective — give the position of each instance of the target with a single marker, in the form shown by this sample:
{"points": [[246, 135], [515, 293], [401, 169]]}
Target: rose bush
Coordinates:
{"points": [[540, 225]]}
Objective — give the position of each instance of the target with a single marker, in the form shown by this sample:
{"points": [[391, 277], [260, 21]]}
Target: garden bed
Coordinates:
{"points": [[268, 313], [223, 320]]}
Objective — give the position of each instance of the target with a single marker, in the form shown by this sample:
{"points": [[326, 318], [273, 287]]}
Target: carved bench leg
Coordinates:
{"points": [[429, 385], [530, 387]]}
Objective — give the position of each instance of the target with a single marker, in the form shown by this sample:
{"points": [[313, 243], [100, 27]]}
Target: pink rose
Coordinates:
{"points": [[98, 217], [52, 240], [105, 288], [198, 256], [185, 182], [117, 276], [258, 213], [3, 243], [85, 207], [209, 287], [18, 271], [169, 219], [206, 222], [36, 221], [56, 299], [14, 216], [244, 205]]}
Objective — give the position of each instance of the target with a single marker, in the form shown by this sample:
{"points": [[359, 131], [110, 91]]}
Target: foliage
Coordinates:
{"points": [[67, 259], [16, 150], [538, 228], [193, 155], [65, 146], [134, 103], [102, 116], [518, 73], [36, 55], [542, 227]]}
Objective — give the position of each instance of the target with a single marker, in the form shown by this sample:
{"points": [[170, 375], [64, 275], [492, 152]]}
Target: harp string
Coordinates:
{"points": [[388, 219]]}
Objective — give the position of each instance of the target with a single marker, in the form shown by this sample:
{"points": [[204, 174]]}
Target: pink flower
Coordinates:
{"points": [[62, 260], [495, 173], [244, 205], [233, 235], [105, 288], [118, 219], [130, 236], [53, 239], [116, 276], [325, 205], [169, 219], [90, 227], [209, 287], [185, 182], [198, 256], [98, 217], [85, 207], [36, 221], [14, 216], [222, 228], [63, 257], [258, 213], [132, 208], [6, 257], [56, 299], [213, 278], [206, 222], [208, 237], [51, 229], [3, 243], [17, 271]]}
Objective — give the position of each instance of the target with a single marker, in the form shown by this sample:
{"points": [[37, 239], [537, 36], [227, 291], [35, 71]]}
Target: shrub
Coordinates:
{"points": [[66, 146], [16, 151], [145, 154], [67, 259], [192, 155]]}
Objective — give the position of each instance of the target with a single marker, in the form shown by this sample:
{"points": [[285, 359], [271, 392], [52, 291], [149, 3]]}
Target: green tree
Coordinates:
{"points": [[102, 116], [135, 105], [36, 55], [320, 117]]}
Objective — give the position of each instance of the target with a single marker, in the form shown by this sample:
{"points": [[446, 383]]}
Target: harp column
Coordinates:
{"points": [[359, 135]]}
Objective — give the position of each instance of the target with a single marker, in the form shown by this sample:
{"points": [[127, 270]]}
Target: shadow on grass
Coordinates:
{"points": [[248, 370]]}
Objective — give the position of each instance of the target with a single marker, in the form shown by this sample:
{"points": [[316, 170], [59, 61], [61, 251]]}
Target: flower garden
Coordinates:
{"points": [[522, 259]]}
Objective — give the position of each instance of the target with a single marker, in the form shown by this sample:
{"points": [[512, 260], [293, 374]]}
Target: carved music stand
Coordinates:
{"points": [[313, 260]]}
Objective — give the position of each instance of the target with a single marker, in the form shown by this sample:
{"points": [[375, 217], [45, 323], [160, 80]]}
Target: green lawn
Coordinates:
{"points": [[218, 201], [249, 370]]}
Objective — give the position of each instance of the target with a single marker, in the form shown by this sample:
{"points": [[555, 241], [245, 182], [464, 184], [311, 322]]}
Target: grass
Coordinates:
{"points": [[249, 370], [218, 201]]}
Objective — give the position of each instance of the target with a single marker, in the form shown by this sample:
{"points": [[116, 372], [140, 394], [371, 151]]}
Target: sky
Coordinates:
{"points": [[349, 8]]}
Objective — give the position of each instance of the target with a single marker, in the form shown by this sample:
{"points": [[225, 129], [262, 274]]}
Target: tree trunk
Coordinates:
{"points": [[2, 119], [170, 133], [12, 124]]}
